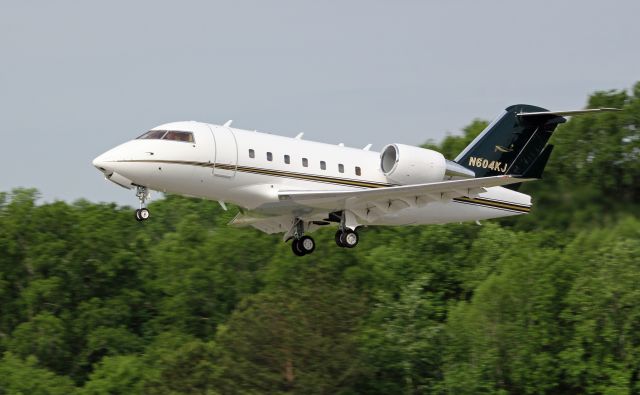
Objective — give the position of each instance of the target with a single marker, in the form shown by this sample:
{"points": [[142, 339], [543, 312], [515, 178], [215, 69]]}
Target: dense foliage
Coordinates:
{"points": [[93, 302]]}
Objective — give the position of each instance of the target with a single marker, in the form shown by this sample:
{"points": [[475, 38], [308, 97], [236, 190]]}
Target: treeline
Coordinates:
{"points": [[94, 302]]}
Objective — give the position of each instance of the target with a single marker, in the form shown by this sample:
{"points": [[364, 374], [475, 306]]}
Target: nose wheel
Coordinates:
{"points": [[142, 214], [143, 194]]}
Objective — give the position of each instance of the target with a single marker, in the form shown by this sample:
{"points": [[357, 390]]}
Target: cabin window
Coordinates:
{"points": [[269, 156], [287, 159], [323, 165], [358, 171], [305, 162], [341, 168], [252, 153]]}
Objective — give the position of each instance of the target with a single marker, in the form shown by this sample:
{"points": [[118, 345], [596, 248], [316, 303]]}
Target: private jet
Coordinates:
{"points": [[294, 186]]}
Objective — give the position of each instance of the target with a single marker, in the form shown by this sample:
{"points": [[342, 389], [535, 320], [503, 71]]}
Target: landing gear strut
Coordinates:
{"points": [[142, 214]]}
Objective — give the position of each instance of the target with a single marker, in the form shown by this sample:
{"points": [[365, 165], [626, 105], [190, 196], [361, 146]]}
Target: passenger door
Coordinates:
{"points": [[226, 152]]}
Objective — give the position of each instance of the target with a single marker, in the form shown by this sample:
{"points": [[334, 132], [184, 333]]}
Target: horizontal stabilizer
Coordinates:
{"points": [[566, 113]]}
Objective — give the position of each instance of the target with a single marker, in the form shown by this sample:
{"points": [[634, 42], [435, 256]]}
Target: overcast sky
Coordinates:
{"points": [[77, 78]]}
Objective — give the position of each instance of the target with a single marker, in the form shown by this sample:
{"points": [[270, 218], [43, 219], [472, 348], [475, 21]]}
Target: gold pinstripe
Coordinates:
{"points": [[333, 180], [275, 173], [494, 204]]}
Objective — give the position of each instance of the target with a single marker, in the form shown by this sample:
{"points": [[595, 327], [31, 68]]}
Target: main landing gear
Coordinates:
{"points": [[301, 244], [142, 214], [346, 236]]}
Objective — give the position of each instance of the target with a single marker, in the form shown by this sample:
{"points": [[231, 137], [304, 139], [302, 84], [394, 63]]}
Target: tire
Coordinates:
{"points": [[138, 215], [349, 238], [295, 247], [338, 236], [306, 244], [144, 214]]}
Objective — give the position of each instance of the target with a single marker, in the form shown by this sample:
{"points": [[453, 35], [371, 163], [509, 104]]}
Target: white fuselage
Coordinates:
{"points": [[249, 168]]}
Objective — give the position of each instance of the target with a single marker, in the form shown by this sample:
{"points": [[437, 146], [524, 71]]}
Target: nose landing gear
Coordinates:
{"points": [[143, 194], [142, 214]]}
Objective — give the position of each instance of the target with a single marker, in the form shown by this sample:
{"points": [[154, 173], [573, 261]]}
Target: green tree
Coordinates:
{"points": [[603, 315], [507, 337], [120, 374], [188, 368], [292, 340], [44, 337], [18, 376]]}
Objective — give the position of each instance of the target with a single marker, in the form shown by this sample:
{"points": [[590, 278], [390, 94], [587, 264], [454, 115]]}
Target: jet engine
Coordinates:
{"points": [[405, 164]]}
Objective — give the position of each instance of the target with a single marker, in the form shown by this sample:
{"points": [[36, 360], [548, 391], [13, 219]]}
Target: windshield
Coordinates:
{"points": [[153, 135], [173, 135]]}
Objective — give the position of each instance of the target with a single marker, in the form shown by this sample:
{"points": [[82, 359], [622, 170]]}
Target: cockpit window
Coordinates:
{"points": [[179, 136], [173, 135], [153, 135]]}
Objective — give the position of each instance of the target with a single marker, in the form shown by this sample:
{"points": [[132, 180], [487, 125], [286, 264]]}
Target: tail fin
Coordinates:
{"points": [[514, 143]]}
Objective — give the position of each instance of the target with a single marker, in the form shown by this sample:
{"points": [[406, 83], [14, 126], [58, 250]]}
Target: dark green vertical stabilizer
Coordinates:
{"points": [[512, 144]]}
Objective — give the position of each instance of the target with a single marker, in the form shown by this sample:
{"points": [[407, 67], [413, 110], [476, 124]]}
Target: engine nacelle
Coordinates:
{"points": [[405, 164]]}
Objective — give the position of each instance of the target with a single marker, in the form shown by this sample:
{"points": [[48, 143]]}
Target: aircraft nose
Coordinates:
{"points": [[102, 164]]}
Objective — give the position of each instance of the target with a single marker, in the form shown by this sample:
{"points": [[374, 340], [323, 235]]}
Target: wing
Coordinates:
{"points": [[399, 196], [365, 203]]}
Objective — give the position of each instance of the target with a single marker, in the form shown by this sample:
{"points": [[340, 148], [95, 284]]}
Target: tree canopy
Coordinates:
{"points": [[93, 302]]}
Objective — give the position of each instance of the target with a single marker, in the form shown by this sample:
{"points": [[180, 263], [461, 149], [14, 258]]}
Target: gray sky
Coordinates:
{"points": [[77, 78]]}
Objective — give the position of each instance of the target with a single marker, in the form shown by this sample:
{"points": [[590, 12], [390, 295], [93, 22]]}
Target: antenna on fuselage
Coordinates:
{"points": [[228, 123]]}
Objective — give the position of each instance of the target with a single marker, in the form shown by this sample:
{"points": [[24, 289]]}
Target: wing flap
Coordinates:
{"points": [[267, 225]]}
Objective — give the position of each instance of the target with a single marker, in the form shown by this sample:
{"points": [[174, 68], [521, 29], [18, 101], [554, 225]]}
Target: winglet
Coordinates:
{"points": [[367, 147], [299, 136], [228, 123]]}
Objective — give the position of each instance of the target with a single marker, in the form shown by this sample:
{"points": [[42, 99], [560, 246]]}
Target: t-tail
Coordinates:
{"points": [[516, 142]]}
